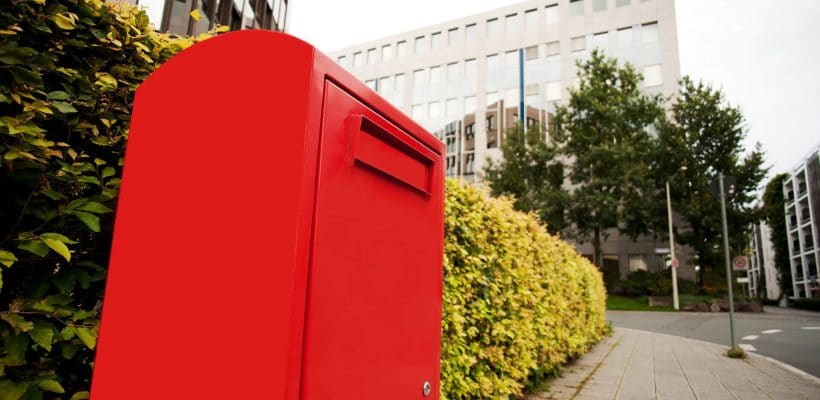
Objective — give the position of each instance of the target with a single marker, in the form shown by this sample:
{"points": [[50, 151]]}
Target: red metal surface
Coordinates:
{"points": [[275, 239]]}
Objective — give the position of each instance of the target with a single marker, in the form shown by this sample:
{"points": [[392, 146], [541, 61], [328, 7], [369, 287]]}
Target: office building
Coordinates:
{"points": [[762, 273], [460, 80], [802, 193], [192, 17]]}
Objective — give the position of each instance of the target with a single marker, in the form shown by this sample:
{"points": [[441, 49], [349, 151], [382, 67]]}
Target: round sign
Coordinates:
{"points": [[675, 263], [740, 262]]}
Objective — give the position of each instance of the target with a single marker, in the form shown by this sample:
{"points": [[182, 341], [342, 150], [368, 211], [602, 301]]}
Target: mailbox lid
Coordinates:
{"points": [[372, 328]]}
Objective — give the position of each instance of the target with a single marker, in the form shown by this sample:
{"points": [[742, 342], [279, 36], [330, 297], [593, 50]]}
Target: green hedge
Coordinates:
{"points": [[68, 72], [518, 302]]}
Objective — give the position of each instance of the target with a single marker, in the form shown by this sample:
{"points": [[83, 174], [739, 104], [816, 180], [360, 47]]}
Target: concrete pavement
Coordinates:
{"points": [[633, 364], [788, 335]]}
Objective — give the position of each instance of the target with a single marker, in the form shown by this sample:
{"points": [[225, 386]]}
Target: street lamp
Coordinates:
{"points": [[675, 302]]}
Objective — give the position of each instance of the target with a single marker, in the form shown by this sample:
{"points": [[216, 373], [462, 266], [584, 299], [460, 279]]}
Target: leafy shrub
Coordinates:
{"points": [[806, 304], [68, 72], [645, 283], [517, 303]]}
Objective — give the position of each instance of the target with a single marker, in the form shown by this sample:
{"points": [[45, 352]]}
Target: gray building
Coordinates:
{"points": [[460, 80], [178, 16], [762, 274], [802, 192]]}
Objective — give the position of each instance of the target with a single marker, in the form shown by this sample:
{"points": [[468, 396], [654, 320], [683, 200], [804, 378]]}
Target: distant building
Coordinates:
{"points": [[802, 192], [460, 80], [762, 273], [175, 15]]}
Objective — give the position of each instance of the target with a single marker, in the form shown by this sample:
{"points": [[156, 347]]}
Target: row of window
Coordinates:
{"points": [[493, 28]]}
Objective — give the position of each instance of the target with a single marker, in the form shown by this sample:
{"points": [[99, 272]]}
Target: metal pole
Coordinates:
{"points": [[728, 265], [521, 116], [675, 302]]}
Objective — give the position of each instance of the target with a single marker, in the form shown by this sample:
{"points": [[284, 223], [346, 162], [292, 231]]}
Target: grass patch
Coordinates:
{"points": [[735, 352], [639, 303]]}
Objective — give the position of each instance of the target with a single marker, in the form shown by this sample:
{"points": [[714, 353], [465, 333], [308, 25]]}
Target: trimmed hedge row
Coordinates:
{"points": [[518, 302]]}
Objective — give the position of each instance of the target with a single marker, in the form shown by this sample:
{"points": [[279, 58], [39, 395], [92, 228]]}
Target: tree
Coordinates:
{"points": [[705, 134], [603, 132], [530, 172], [68, 73], [774, 213]]}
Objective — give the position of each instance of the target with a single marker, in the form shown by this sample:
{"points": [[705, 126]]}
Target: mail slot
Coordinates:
{"points": [[275, 238]]}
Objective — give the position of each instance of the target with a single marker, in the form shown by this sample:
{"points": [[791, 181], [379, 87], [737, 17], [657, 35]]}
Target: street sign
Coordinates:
{"points": [[675, 263], [743, 279], [740, 263], [662, 250]]}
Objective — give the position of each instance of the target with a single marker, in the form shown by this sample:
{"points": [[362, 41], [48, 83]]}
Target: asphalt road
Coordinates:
{"points": [[778, 333]]}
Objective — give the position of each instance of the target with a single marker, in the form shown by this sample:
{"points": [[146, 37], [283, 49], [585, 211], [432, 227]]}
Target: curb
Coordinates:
{"points": [[788, 367]]}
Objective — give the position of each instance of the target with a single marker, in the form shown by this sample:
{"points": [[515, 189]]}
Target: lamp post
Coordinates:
{"points": [[675, 302]]}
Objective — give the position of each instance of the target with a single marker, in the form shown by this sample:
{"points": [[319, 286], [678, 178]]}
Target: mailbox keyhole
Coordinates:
{"points": [[426, 388]]}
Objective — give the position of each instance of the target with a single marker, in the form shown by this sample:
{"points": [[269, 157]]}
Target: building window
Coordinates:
{"points": [[493, 63], [552, 49], [622, 3], [452, 71], [649, 32], [512, 23], [435, 75], [576, 8], [371, 84], [553, 90], [386, 84], [399, 82], [578, 43], [371, 56], [452, 36], [469, 105], [652, 76], [342, 61], [598, 5], [401, 49], [418, 78], [511, 60], [625, 37], [493, 27], [451, 108], [433, 110], [470, 32], [468, 163], [417, 111], [531, 19], [180, 14], [531, 53], [420, 47], [358, 59], [437, 40], [387, 52], [470, 68], [600, 40], [552, 16]]}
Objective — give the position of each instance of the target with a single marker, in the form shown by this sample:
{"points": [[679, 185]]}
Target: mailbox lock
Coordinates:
{"points": [[426, 388]]}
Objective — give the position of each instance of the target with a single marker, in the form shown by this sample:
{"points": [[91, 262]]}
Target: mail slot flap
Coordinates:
{"points": [[380, 145]]}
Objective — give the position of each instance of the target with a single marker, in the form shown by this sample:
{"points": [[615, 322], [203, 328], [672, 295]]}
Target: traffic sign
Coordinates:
{"points": [[740, 263], [661, 250]]}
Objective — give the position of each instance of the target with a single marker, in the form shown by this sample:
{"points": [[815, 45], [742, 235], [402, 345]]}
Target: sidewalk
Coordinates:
{"points": [[634, 364]]}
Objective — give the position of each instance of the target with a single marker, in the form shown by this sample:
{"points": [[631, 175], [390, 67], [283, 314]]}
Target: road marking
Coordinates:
{"points": [[750, 337], [811, 328], [747, 347], [770, 331]]}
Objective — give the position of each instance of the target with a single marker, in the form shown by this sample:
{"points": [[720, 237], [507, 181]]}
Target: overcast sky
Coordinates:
{"points": [[764, 54]]}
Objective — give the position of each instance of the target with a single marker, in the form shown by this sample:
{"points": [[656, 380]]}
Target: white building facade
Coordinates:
{"points": [[461, 80], [763, 277], [802, 193]]}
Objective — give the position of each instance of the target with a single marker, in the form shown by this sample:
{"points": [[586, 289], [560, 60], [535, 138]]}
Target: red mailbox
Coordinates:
{"points": [[278, 235]]}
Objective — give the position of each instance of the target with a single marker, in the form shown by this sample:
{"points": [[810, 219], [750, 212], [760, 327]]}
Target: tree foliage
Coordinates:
{"points": [[774, 213], [530, 172], [604, 133], [705, 134], [68, 72]]}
